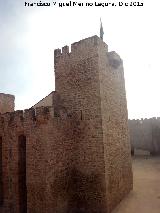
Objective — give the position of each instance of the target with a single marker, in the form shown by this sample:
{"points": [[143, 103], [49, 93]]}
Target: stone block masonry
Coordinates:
{"points": [[75, 155], [48, 151], [91, 82]]}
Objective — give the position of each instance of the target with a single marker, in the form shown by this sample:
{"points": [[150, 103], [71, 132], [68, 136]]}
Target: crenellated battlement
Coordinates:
{"points": [[81, 49], [40, 114], [86, 48], [142, 120]]}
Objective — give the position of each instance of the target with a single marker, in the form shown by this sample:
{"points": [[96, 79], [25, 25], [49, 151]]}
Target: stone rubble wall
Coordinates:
{"points": [[49, 156], [91, 81], [115, 128], [78, 150]]}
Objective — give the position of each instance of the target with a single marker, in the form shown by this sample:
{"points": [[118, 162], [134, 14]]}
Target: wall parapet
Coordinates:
{"points": [[142, 120], [40, 114], [77, 49]]}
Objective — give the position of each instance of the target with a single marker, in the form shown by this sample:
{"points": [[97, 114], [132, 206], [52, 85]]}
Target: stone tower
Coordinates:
{"points": [[6, 103], [90, 81]]}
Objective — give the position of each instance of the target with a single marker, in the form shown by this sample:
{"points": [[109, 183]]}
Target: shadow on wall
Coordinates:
{"points": [[81, 193]]}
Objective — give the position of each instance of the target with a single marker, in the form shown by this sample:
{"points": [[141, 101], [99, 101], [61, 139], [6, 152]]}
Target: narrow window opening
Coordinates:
{"points": [[81, 115], [22, 173]]}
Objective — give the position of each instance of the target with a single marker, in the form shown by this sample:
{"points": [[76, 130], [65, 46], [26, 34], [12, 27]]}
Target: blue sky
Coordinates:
{"points": [[28, 37]]}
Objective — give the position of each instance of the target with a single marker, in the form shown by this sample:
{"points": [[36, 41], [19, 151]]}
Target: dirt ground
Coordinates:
{"points": [[145, 197]]}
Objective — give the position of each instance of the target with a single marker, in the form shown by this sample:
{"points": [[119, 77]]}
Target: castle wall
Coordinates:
{"points": [[92, 85], [6, 103], [77, 77], [77, 80], [115, 127], [75, 156], [49, 157], [145, 134], [55, 160]]}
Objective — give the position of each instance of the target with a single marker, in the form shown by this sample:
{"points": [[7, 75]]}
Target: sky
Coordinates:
{"points": [[29, 35]]}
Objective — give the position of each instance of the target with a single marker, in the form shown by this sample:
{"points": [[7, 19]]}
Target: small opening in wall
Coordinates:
{"points": [[81, 115], [22, 173]]}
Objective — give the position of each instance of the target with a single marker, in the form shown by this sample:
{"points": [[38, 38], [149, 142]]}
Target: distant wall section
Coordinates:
{"points": [[6, 103], [145, 134]]}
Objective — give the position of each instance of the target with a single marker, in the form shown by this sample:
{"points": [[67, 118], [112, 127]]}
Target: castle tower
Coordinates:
{"points": [[90, 81], [6, 103]]}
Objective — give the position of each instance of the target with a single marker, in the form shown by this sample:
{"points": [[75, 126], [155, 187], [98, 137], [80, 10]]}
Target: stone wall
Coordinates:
{"points": [[77, 80], [6, 103], [145, 134], [91, 82], [115, 128], [49, 157], [73, 156]]}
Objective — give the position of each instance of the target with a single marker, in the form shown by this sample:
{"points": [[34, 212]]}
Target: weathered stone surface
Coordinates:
{"points": [[6, 103], [75, 155]]}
